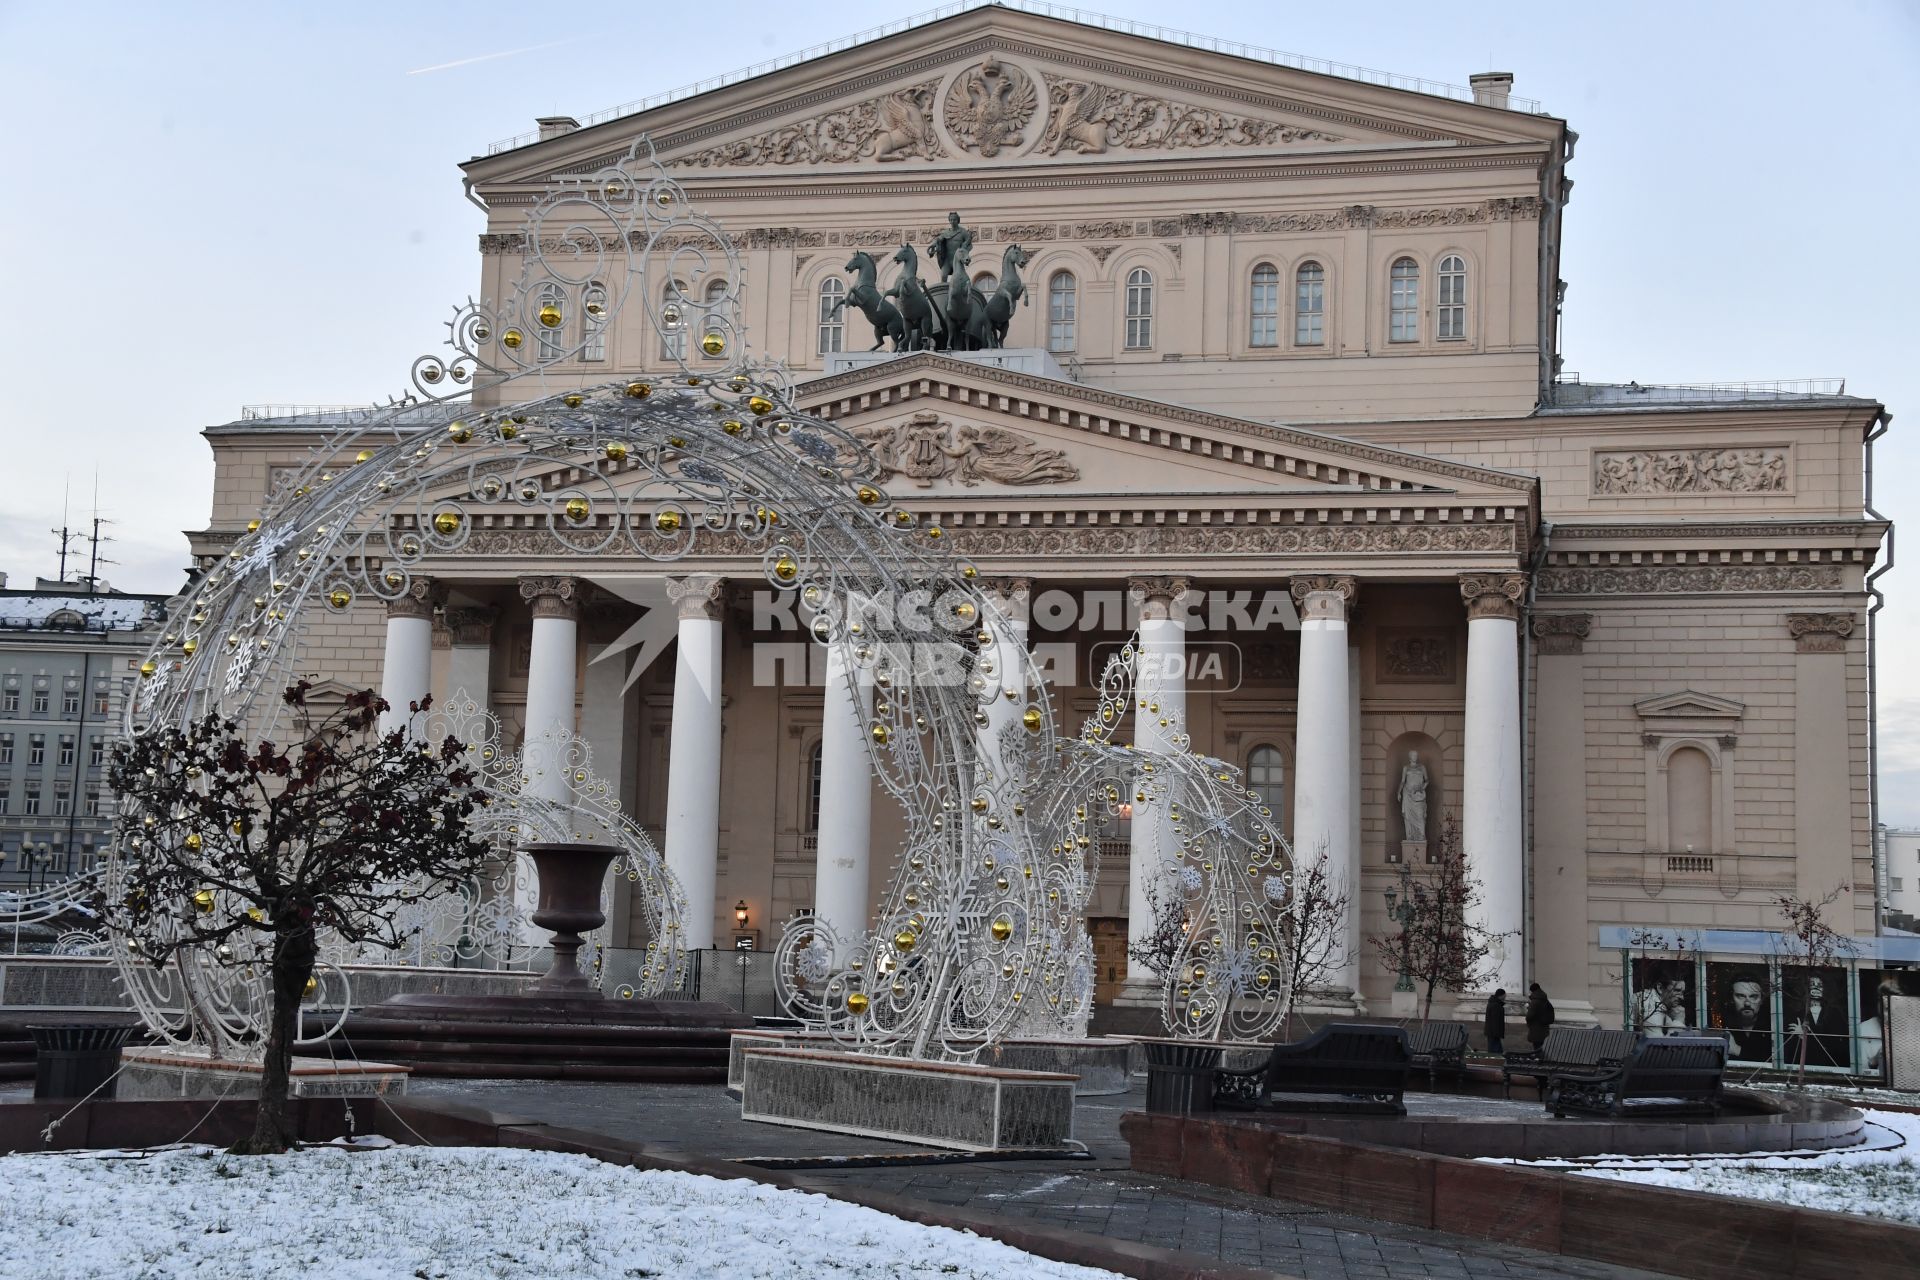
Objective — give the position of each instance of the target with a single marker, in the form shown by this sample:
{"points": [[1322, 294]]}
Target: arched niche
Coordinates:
{"points": [[1401, 843]]}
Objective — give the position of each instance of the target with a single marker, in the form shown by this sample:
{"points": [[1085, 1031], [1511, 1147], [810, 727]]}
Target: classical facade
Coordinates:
{"points": [[1280, 386]]}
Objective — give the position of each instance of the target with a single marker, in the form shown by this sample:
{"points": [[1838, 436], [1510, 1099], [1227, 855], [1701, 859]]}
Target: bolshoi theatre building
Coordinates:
{"points": [[1281, 360]]}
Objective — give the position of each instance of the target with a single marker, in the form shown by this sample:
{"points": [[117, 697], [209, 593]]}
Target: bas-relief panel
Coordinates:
{"points": [[927, 447], [1414, 655], [1620, 472]]}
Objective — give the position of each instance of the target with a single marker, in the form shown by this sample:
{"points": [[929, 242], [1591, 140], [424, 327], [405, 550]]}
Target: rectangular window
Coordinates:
{"points": [[1403, 318], [12, 700], [67, 749], [93, 802], [6, 799], [1450, 312], [1310, 308], [101, 706], [1265, 329], [6, 748], [62, 803], [37, 749], [33, 801], [40, 701], [830, 326], [96, 753], [70, 703], [1139, 312], [1063, 313]]}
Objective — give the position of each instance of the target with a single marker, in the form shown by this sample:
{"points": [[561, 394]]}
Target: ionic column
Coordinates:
{"points": [[1006, 622], [1324, 735], [406, 669], [1491, 830], [1159, 713], [693, 759], [846, 799], [470, 653], [550, 675]]}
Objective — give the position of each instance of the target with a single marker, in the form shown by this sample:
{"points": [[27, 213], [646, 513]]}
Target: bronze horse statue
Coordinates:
{"points": [[883, 315], [1009, 295], [916, 308]]}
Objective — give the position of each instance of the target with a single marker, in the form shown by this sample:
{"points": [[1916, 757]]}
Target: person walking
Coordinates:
{"points": [[1497, 1022], [1539, 1015]]}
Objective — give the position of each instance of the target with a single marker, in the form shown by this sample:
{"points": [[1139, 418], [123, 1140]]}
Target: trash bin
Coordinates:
{"points": [[73, 1059], [1180, 1076]]}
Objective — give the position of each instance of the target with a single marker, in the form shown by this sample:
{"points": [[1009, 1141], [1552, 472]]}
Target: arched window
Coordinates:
{"points": [[552, 340], [1403, 302], [813, 788], [593, 315], [1063, 312], [985, 283], [1689, 801], [832, 319], [1139, 309], [1310, 305], [1267, 775], [1264, 304], [715, 298], [1450, 307], [673, 324]]}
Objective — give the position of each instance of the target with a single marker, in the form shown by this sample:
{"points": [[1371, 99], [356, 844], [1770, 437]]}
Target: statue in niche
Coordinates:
{"points": [[1413, 802]]}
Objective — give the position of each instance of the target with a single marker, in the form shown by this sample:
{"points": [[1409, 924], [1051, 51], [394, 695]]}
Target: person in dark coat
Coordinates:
{"points": [[1539, 1015], [1497, 1022]]}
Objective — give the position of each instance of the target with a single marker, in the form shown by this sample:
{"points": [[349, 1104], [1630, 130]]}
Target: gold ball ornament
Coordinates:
{"points": [[786, 569], [714, 343], [460, 433], [867, 494], [147, 669], [578, 509], [189, 645], [857, 1003], [447, 523], [880, 734], [203, 902], [313, 985], [904, 940], [573, 400], [513, 338], [1002, 929], [1031, 719], [760, 405], [550, 316], [615, 451], [639, 390], [193, 841], [666, 521]]}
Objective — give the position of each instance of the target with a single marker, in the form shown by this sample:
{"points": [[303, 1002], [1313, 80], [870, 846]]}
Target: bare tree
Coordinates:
{"points": [[1813, 945], [1314, 946], [1166, 908], [1438, 946], [245, 852]]}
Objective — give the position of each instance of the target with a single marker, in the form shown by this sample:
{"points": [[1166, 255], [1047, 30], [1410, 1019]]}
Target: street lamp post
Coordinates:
{"points": [[1400, 911]]}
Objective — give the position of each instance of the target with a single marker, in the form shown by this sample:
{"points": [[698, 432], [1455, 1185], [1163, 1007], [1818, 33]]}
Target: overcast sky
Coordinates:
{"points": [[205, 206]]}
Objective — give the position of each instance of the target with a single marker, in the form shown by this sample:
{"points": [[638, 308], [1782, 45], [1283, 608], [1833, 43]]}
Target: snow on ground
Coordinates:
{"points": [[1881, 1183], [455, 1212]]}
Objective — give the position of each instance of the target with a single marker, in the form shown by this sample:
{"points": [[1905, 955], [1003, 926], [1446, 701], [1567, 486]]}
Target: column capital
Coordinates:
{"points": [[418, 601], [1820, 632], [553, 597], [699, 595], [470, 628], [1325, 596], [1561, 634], [1006, 590], [1154, 597], [1493, 595]]}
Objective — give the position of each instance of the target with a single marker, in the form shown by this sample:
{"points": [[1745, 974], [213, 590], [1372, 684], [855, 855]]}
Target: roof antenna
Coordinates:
{"points": [[95, 559]]}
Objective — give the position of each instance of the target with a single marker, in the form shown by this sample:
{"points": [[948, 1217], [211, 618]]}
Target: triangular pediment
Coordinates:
{"points": [[999, 87], [1689, 704]]}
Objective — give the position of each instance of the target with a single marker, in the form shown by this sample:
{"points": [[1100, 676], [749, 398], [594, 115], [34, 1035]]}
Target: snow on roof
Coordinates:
{"points": [[44, 611], [1569, 393]]}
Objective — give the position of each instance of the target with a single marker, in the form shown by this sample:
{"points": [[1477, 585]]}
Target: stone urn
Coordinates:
{"points": [[568, 906]]}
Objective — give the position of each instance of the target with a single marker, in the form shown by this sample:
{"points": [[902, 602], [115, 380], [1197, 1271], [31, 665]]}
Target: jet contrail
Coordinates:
{"points": [[489, 57]]}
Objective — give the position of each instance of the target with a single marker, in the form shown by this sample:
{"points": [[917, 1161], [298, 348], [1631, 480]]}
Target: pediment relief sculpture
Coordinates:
{"points": [[1090, 117], [1634, 471], [894, 126], [927, 447], [989, 105]]}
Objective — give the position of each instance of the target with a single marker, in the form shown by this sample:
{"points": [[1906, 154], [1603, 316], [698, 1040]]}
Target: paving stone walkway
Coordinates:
{"points": [[1100, 1195]]}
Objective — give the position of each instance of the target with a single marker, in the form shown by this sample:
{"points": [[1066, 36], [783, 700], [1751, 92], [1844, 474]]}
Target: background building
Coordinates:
{"points": [[1283, 334]]}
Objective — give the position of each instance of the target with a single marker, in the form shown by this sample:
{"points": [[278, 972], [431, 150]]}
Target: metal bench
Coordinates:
{"points": [[1566, 1049], [1348, 1066], [1662, 1075], [1438, 1047]]}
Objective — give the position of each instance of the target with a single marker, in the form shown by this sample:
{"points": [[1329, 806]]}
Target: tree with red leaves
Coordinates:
{"points": [[244, 854]]}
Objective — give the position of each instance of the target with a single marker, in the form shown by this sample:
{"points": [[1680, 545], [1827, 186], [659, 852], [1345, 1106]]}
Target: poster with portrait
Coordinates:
{"points": [[1875, 986], [1740, 1003], [1814, 1005], [1662, 999]]}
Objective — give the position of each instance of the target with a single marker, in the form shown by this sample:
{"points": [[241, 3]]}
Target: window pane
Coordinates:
{"points": [[593, 315], [1264, 328], [1139, 335], [1403, 323], [832, 317], [552, 339], [1309, 305], [1062, 311]]}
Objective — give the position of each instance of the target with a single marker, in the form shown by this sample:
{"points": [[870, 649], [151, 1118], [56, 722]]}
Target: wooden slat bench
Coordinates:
{"points": [[1662, 1075], [1566, 1049], [1347, 1066], [1438, 1047]]}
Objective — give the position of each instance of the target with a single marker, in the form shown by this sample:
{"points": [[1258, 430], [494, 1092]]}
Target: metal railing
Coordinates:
{"points": [[1085, 17], [338, 415], [1765, 386]]}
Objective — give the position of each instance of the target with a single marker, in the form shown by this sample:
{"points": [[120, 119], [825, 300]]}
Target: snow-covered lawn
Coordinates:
{"points": [[454, 1212], [1882, 1183]]}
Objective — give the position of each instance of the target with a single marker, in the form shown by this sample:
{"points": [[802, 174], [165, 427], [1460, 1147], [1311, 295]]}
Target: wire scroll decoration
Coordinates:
{"points": [[981, 932]]}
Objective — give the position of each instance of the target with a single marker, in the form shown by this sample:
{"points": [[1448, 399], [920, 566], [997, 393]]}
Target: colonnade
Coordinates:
{"points": [[1327, 736]]}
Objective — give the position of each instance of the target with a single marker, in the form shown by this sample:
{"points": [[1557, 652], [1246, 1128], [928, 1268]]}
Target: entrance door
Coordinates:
{"points": [[1109, 934]]}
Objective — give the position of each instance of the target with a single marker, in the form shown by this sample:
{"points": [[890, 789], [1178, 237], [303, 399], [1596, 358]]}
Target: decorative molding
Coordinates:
{"points": [[1688, 579], [698, 595], [927, 447], [893, 126], [1820, 632], [1090, 117], [1561, 634], [1153, 597], [1493, 595], [469, 628], [1770, 529], [552, 597], [418, 601], [1689, 704], [1414, 655], [1010, 595], [1323, 597], [988, 106], [1620, 472]]}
